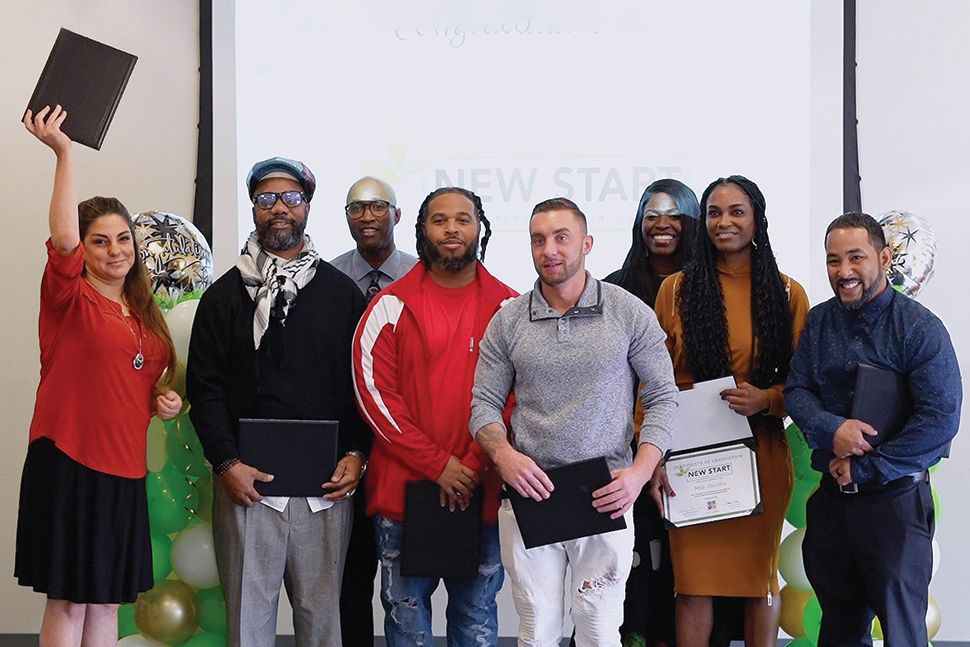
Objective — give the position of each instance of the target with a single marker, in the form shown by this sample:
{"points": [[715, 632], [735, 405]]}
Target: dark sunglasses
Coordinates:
{"points": [[290, 199]]}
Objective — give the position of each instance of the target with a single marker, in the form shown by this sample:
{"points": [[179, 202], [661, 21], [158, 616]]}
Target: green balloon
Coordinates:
{"points": [[161, 556], [937, 503], [803, 467], [166, 516], [812, 620], [205, 640], [126, 620], [796, 441], [183, 447], [212, 603], [172, 500], [204, 488], [796, 509]]}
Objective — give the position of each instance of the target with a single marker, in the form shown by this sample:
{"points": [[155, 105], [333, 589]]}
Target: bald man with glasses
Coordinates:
{"points": [[372, 213], [375, 263]]}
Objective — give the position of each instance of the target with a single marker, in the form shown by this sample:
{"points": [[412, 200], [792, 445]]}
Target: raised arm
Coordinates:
{"points": [[46, 126]]}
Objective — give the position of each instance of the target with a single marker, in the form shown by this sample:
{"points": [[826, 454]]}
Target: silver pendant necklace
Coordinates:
{"points": [[139, 360]]}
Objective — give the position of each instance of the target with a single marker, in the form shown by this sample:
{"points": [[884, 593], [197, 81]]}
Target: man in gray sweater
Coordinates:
{"points": [[572, 350]]}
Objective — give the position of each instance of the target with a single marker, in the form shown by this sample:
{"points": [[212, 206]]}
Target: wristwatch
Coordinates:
{"points": [[363, 461]]}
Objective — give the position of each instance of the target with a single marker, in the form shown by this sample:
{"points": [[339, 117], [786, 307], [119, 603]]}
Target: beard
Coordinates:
{"points": [[429, 253], [868, 293], [281, 239]]}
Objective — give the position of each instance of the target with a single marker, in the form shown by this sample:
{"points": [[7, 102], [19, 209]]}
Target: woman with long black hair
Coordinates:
{"points": [[731, 312]]}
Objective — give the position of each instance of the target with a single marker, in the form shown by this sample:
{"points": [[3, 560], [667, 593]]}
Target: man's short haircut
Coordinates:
{"points": [[858, 220], [559, 204], [421, 237]]}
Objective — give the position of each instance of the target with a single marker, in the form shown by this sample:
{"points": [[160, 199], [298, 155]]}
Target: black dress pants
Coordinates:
{"points": [[870, 553], [360, 569]]}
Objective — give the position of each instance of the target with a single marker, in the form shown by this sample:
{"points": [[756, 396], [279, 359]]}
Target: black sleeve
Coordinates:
{"points": [[208, 374], [356, 434]]}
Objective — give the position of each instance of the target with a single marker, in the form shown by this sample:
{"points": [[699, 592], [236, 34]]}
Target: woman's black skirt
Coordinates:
{"points": [[82, 535]]}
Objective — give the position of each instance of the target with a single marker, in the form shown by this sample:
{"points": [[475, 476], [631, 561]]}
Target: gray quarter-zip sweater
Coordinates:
{"points": [[574, 376]]}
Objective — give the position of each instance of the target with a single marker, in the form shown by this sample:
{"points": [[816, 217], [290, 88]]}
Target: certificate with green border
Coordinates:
{"points": [[712, 484]]}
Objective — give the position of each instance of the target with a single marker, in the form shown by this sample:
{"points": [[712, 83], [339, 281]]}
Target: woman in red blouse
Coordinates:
{"points": [[107, 364]]}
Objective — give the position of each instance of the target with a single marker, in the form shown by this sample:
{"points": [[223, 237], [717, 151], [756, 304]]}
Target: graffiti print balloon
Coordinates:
{"points": [[913, 245], [176, 255]]}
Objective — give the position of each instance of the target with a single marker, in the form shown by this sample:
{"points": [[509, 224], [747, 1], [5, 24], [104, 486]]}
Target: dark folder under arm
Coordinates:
{"points": [[568, 513], [437, 542], [300, 454], [87, 79], [881, 399]]}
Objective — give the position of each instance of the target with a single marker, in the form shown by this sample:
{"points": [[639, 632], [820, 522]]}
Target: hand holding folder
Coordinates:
{"points": [[87, 79]]}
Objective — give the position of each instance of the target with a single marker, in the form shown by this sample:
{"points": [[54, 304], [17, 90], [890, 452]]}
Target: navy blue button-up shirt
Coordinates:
{"points": [[892, 332]]}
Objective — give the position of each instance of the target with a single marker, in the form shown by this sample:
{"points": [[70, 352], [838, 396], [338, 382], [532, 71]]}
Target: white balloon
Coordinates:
{"points": [[790, 562], [194, 557], [179, 320], [936, 557]]}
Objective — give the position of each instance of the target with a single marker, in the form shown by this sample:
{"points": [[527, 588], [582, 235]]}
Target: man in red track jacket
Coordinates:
{"points": [[415, 353]]}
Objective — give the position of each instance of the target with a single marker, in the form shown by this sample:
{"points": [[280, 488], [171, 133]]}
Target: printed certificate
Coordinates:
{"points": [[712, 484]]}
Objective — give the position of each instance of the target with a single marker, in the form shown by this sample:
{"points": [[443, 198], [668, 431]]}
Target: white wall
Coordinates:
{"points": [[147, 160]]}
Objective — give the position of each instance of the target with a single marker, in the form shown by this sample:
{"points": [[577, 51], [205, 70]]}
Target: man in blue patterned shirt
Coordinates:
{"points": [[867, 546]]}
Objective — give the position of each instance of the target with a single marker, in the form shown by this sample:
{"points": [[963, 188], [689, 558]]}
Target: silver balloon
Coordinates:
{"points": [[913, 245], [176, 255]]}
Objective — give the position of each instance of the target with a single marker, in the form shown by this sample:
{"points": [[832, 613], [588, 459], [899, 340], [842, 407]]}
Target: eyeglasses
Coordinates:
{"points": [[290, 199], [355, 210]]}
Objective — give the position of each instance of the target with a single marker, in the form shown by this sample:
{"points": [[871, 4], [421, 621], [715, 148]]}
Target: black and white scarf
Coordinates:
{"points": [[273, 282]]}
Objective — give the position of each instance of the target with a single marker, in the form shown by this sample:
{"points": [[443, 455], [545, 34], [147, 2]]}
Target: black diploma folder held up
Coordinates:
{"points": [[881, 399], [300, 454], [87, 79], [437, 542], [568, 513]]}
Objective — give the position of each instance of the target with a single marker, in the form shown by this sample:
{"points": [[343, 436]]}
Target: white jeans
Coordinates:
{"points": [[599, 564]]}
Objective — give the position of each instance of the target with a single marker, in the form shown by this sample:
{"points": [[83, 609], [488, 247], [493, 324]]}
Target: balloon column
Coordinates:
{"points": [[186, 605], [913, 246]]}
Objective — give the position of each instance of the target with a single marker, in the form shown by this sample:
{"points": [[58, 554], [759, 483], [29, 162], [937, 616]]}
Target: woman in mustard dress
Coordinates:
{"points": [[731, 312]]}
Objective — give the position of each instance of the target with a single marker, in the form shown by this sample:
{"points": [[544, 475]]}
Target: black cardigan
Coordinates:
{"points": [[302, 370]]}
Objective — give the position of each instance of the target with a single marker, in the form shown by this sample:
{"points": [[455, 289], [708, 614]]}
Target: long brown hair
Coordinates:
{"points": [[137, 288]]}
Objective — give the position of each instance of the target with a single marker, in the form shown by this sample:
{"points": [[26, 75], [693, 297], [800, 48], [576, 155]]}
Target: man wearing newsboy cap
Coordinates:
{"points": [[271, 340]]}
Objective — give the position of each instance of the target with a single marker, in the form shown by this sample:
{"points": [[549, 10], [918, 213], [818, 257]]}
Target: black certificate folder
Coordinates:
{"points": [[300, 454], [881, 399], [568, 513], [86, 78], [437, 542]]}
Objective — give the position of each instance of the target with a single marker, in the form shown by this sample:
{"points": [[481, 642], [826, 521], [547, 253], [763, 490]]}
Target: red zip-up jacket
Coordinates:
{"points": [[413, 435]]}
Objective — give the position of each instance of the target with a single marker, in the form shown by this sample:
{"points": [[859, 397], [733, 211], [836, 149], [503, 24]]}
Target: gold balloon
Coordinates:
{"points": [[934, 617], [168, 613], [793, 603]]}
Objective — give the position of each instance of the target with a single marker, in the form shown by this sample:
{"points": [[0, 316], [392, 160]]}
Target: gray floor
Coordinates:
{"points": [[30, 640]]}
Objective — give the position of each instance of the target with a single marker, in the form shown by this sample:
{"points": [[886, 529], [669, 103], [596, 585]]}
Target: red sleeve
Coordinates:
{"points": [[376, 386], [60, 283]]}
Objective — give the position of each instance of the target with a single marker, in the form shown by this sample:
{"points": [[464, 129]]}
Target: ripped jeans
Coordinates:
{"points": [[599, 565], [472, 612]]}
